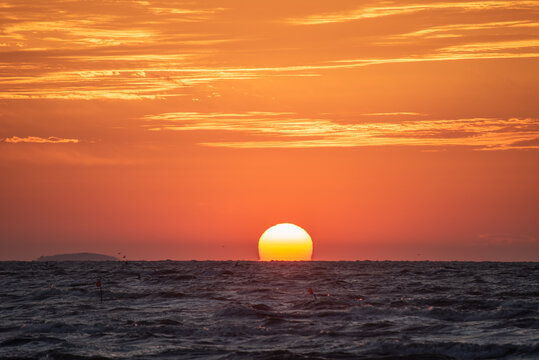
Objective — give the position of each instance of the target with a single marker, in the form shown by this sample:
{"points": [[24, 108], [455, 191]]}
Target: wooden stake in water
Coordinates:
{"points": [[98, 284]]}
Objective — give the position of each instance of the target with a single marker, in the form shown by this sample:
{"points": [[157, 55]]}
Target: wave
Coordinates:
{"points": [[245, 310]]}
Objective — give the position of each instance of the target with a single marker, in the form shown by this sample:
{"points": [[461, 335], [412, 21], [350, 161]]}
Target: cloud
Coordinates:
{"points": [[40, 140], [77, 31], [460, 30], [531, 143], [394, 114], [60, 50], [382, 11], [469, 51], [276, 130], [484, 48], [174, 79]]}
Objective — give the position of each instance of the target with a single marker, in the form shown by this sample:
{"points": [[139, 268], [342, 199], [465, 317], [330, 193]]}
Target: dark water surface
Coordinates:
{"points": [[245, 310]]}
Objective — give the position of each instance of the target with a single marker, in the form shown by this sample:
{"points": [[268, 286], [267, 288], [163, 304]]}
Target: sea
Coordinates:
{"points": [[265, 310]]}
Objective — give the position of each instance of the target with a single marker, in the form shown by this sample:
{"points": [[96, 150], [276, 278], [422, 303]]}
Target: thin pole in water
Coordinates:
{"points": [[98, 284]]}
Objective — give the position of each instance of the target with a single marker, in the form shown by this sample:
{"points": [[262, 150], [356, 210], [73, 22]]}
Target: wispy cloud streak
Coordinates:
{"points": [[370, 12], [269, 130], [460, 30], [39, 140]]}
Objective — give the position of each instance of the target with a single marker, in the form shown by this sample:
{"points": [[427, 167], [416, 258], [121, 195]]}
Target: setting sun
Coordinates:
{"points": [[286, 242]]}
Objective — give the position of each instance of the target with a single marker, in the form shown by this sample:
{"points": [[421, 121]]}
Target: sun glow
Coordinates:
{"points": [[286, 242]]}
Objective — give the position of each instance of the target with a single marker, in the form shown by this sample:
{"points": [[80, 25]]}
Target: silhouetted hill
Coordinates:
{"points": [[77, 257]]}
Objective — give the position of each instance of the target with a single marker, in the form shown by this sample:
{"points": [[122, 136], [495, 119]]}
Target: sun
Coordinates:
{"points": [[286, 242]]}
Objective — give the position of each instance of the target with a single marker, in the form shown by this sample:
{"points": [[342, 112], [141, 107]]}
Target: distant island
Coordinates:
{"points": [[77, 257]]}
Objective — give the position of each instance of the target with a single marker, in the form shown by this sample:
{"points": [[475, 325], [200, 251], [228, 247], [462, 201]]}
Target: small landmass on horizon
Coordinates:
{"points": [[77, 257]]}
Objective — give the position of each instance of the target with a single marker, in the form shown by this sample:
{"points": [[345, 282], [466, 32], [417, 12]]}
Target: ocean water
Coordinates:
{"points": [[254, 310]]}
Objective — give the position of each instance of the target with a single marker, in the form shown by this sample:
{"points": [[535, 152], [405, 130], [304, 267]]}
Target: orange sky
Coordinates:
{"points": [[184, 129]]}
